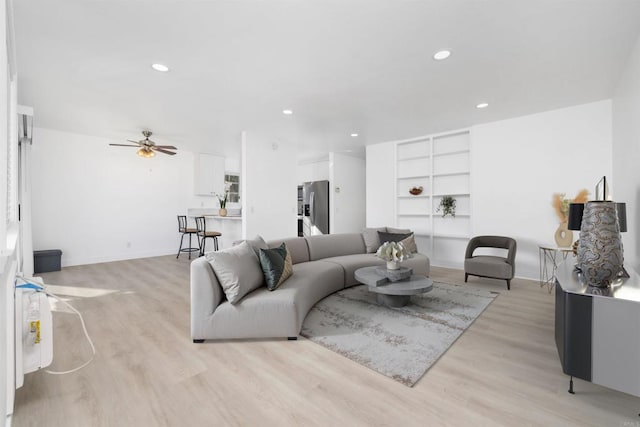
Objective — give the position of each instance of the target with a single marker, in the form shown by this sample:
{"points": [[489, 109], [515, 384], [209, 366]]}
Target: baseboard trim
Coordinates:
{"points": [[70, 262]]}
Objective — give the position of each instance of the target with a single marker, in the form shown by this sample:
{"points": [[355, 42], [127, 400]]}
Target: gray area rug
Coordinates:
{"points": [[401, 343]]}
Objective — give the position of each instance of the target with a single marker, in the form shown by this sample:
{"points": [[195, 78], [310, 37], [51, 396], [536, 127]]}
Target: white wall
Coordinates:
{"points": [[517, 165], [380, 184], [626, 153], [269, 187], [347, 196], [313, 171], [100, 203]]}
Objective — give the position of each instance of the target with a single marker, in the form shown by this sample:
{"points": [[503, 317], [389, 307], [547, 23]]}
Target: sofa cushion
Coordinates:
{"points": [[398, 230], [237, 269], [297, 247], [330, 245], [276, 266], [256, 244], [350, 263], [392, 237], [488, 266], [420, 264], [277, 314], [410, 243], [371, 238]]}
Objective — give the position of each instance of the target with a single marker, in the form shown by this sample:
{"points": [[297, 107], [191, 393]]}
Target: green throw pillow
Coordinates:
{"points": [[276, 266]]}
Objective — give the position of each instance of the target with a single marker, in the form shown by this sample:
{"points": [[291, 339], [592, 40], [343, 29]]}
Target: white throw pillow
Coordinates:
{"points": [[238, 271]]}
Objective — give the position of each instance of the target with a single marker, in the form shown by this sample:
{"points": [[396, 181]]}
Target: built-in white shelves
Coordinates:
{"points": [[440, 164]]}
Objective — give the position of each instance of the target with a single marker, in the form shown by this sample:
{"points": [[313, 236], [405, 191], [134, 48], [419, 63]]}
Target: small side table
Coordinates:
{"points": [[550, 258]]}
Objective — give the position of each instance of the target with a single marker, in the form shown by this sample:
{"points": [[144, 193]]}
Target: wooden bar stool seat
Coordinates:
{"points": [[203, 234]]}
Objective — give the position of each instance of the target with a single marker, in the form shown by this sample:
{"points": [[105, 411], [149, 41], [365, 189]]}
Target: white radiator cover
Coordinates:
{"points": [[34, 333]]}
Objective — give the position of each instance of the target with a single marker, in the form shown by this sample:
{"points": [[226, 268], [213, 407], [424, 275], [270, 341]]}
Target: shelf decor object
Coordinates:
{"points": [[416, 190], [447, 206], [600, 253], [440, 164], [223, 198]]}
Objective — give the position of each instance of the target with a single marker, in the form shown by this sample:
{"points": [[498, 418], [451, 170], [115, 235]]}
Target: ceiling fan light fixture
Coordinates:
{"points": [[145, 152]]}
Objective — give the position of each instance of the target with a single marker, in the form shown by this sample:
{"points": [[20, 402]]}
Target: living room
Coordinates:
{"points": [[563, 93]]}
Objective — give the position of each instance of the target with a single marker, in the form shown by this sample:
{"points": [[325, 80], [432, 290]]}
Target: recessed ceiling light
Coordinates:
{"points": [[354, 135], [482, 105], [287, 112], [440, 55], [160, 67]]}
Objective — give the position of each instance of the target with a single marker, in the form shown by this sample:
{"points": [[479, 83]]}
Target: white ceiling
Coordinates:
{"points": [[341, 66]]}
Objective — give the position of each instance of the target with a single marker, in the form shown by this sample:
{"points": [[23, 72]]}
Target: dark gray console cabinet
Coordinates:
{"points": [[597, 331], [573, 333]]}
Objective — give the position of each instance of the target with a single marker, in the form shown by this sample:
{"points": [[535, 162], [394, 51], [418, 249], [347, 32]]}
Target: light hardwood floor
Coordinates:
{"points": [[504, 370]]}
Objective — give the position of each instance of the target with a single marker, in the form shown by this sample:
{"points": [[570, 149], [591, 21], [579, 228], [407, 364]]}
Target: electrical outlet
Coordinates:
{"points": [[128, 244]]}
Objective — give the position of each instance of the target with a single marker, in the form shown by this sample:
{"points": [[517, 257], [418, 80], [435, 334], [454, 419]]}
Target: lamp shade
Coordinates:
{"points": [[621, 208], [575, 215]]}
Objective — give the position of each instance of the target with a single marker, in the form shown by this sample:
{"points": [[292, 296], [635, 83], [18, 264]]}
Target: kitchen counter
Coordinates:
{"points": [[229, 226], [223, 217]]}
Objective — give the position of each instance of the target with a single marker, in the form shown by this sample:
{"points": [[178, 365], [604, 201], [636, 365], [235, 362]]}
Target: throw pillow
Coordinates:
{"points": [[392, 237], [276, 265], [237, 270], [410, 244], [257, 243], [371, 239], [398, 230]]}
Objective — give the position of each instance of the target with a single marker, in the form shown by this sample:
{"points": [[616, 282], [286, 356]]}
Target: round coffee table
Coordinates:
{"points": [[392, 294]]}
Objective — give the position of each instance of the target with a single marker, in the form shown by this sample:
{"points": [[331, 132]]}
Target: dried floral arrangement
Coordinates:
{"points": [[561, 203]]}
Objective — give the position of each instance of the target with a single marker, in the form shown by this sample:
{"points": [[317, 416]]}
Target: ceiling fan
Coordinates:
{"points": [[146, 147]]}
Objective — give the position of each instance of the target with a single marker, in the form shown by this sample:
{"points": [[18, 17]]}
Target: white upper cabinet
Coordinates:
{"points": [[209, 174]]}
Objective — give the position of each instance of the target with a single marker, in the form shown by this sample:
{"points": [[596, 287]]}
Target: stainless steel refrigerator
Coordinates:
{"points": [[316, 208]]}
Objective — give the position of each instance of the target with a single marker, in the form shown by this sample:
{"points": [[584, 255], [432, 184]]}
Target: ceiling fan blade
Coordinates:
{"points": [[137, 142], [163, 151], [170, 147], [125, 145]]}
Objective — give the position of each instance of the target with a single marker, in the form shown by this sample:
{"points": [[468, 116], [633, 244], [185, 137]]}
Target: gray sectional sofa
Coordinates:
{"points": [[322, 265]]}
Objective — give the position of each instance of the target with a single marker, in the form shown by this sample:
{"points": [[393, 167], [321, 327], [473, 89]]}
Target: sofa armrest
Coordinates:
{"points": [[206, 295]]}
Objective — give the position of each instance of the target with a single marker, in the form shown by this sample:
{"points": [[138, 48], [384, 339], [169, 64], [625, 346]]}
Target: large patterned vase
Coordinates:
{"points": [[600, 248]]}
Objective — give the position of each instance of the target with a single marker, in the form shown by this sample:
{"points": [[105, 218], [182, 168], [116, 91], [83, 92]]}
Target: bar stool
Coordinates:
{"points": [[203, 234], [182, 228]]}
